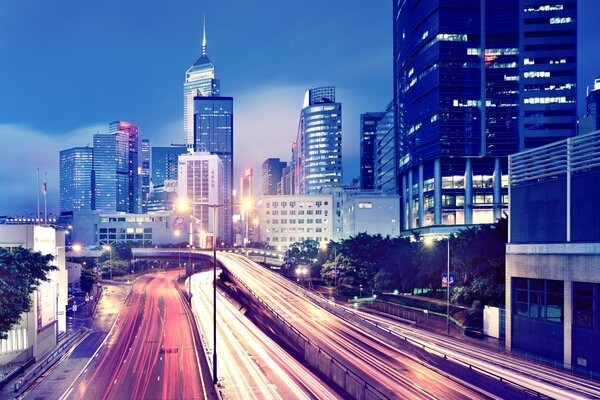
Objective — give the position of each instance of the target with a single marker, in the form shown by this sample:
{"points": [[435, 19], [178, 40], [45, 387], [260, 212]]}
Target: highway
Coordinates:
{"points": [[150, 352], [383, 366], [250, 364], [546, 380]]}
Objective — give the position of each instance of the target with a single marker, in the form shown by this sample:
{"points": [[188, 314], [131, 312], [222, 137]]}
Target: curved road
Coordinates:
{"points": [[151, 352]]}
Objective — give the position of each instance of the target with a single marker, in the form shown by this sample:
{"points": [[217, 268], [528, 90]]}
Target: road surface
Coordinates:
{"points": [[150, 353]]}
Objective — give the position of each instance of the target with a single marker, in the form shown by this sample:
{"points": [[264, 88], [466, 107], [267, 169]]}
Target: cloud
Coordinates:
{"points": [[24, 149]]}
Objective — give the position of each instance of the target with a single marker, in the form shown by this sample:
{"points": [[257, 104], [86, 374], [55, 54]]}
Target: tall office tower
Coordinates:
{"points": [[385, 161], [456, 99], [76, 179], [213, 132], [272, 169], [590, 122], [146, 172], [134, 154], [200, 181], [318, 156], [164, 163], [199, 81], [548, 59], [368, 141], [111, 172]]}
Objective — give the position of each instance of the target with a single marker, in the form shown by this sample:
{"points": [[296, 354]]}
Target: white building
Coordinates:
{"points": [[200, 183], [285, 219], [36, 333], [371, 213], [90, 228]]}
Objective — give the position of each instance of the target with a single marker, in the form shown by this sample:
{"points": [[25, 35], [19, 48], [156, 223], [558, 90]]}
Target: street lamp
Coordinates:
{"points": [[429, 242], [246, 207]]}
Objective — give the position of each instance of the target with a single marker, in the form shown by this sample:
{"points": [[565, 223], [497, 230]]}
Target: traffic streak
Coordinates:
{"points": [[250, 364], [151, 352]]}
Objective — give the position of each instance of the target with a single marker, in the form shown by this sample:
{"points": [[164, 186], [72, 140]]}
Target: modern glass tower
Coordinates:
{"points": [[164, 163], [464, 72], [548, 55], [146, 171], [199, 81], [111, 172], [385, 163], [213, 132], [272, 171], [76, 179], [368, 141], [134, 163], [318, 153]]}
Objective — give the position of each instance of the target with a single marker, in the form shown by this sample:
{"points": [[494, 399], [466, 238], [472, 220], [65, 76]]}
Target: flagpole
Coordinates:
{"points": [[45, 196], [37, 217]]}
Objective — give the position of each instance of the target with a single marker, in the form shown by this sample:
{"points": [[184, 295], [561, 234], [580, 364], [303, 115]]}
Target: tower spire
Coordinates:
{"points": [[204, 37]]}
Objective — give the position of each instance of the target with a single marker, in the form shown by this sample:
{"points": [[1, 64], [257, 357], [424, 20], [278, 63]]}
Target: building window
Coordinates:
{"points": [[539, 299], [365, 205], [583, 304]]}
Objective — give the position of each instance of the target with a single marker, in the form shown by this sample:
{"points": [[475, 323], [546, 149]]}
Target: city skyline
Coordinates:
{"points": [[77, 57]]}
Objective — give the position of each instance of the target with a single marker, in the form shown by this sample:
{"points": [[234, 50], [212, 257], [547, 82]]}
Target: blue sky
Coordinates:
{"points": [[69, 67]]}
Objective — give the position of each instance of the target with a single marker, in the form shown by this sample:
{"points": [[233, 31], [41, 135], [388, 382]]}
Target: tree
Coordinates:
{"points": [[21, 272], [302, 253], [87, 280]]}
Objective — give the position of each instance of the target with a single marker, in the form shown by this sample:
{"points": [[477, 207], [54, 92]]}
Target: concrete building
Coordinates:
{"points": [[36, 334], [285, 219], [371, 213], [553, 255], [200, 183]]}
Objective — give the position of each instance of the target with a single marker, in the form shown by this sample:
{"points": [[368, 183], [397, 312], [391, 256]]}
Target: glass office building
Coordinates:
{"points": [[134, 163], [111, 172], [272, 171], [386, 165], [164, 163], [548, 55], [318, 153], [76, 179], [146, 171], [368, 141], [213, 132], [199, 81]]}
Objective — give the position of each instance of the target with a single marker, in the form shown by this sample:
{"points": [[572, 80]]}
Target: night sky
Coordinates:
{"points": [[69, 67]]}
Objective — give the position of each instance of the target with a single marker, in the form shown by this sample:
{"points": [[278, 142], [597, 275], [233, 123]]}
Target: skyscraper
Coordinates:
{"points": [[199, 81], [318, 153], [458, 95], [368, 141], [213, 132], [133, 163], [164, 163], [200, 181], [76, 179], [385, 163], [111, 172], [146, 172], [548, 55], [272, 169]]}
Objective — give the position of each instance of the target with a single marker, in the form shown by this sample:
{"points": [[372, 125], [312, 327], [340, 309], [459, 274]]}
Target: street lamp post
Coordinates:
{"points": [[448, 289], [108, 248]]}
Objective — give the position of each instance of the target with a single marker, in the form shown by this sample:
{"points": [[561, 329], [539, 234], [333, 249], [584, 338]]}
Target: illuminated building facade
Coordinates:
{"points": [[133, 162], [368, 141], [199, 81], [272, 172], [76, 179], [318, 154], [146, 162], [111, 172], [385, 162]]}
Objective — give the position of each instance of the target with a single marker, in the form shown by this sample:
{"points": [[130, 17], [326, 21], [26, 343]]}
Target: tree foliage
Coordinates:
{"points": [[87, 280], [21, 272], [302, 253]]}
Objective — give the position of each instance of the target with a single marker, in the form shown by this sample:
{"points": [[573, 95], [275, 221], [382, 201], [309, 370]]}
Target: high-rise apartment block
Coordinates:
{"points": [[318, 154], [200, 182], [199, 81], [272, 169], [76, 179], [146, 163], [368, 141]]}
